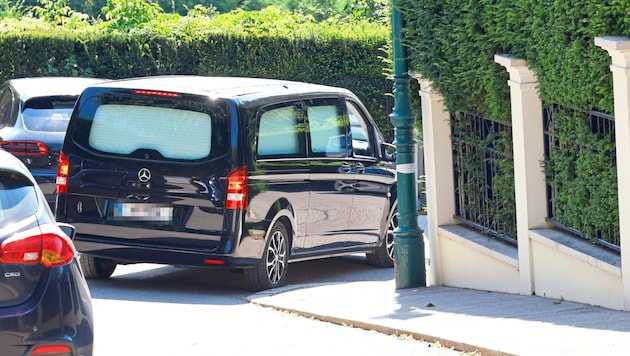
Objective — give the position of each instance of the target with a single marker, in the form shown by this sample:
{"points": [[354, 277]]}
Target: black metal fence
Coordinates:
{"points": [[580, 165], [484, 175]]}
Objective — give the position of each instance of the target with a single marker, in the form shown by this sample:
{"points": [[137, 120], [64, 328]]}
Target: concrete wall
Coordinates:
{"points": [[570, 271], [545, 262]]}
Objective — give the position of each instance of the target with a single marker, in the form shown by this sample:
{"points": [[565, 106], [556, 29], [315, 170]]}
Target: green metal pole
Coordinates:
{"points": [[409, 267]]}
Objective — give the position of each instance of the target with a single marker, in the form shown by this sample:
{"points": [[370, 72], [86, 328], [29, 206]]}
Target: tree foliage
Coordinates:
{"points": [[12, 9], [124, 15], [374, 10]]}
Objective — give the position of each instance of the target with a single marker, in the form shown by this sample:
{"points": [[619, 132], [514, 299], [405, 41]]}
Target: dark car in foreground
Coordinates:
{"points": [[34, 115], [239, 173], [45, 305]]}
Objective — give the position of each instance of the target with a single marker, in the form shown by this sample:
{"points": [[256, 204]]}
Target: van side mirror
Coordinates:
{"points": [[388, 152]]}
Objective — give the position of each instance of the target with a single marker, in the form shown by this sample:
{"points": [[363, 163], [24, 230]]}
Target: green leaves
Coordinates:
{"points": [[124, 15], [453, 44], [560, 48], [57, 12], [12, 9]]}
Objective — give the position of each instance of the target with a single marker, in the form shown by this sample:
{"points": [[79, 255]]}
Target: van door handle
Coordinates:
{"points": [[360, 168], [345, 167]]}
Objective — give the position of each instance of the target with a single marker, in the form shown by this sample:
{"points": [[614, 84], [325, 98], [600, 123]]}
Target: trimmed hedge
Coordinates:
{"points": [[348, 56], [453, 43]]}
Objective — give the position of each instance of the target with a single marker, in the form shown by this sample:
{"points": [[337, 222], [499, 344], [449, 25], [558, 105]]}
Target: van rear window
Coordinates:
{"points": [[174, 133]]}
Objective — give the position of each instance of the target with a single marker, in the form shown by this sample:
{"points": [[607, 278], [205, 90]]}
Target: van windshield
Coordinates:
{"points": [[124, 129]]}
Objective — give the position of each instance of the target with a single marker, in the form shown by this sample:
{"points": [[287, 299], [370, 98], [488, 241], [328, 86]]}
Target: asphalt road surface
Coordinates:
{"points": [[155, 310]]}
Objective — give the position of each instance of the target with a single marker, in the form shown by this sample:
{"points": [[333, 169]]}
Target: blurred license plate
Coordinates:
{"points": [[143, 211]]}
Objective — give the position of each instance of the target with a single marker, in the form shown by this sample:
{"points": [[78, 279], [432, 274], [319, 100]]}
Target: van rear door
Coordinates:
{"points": [[146, 168]]}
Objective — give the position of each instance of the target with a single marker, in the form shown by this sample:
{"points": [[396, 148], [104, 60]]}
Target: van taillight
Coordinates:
{"points": [[25, 148], [44, 245], [156, 93], [237, 189], [62, 173]]}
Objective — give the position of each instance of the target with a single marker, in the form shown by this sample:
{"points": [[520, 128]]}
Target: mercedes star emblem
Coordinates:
{"points": [[144, 175]]}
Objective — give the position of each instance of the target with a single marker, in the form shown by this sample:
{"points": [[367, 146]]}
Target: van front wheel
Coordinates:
{"points": [[96, 267], [271, 271], [384, 255]]}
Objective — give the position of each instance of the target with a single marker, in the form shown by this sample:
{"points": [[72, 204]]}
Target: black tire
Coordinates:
{"points": [[271, 271], [384, 255], [96, 267]]}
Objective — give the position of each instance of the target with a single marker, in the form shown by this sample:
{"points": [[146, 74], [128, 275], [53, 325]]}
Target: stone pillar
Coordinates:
{"points": [[528, 148], [619, 50], [438, 160]]}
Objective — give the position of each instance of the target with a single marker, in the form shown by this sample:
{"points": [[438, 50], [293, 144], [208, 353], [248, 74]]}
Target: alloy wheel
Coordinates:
{"points": [[389, 238], [276, 257]]}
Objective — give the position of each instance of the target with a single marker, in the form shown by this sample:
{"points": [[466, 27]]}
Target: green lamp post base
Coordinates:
{"points": [[409, 267]]}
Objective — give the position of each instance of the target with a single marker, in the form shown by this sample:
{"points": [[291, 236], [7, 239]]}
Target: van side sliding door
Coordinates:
{"points": [[331, 176], [279, 176]]}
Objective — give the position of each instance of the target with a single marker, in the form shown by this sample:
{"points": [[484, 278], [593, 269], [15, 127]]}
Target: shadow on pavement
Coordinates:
{"points": [[157, 283]]}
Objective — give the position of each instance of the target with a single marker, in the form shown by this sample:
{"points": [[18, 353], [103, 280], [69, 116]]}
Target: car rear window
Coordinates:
{"points": [[50, 114], [123, 129], [18, 198]]}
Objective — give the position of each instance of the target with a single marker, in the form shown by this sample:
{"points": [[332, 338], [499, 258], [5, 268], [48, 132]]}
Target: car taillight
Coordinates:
{"points": [[237, 189], [44, 245], [62, 173], [25, 148], [52, 350]]}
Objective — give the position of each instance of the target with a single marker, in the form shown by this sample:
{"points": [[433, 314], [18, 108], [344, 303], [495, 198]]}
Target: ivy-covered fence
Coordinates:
{"points": [[484, 174], [581, 170], [452, 43]]}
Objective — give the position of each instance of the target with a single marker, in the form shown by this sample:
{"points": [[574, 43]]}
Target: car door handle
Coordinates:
{"points": [[360, 168], [345, 167]]}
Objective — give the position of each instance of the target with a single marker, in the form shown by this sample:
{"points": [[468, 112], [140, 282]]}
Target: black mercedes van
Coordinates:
{"points": [[241, 173]]}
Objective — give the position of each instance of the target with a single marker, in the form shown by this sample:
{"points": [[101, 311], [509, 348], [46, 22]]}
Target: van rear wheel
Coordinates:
{"points": [[96, 267], [271, 271]]}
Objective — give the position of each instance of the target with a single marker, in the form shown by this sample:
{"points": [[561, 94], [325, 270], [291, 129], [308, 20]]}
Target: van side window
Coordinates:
{"points": [[359, 129], [279, 132], [327, 128]]}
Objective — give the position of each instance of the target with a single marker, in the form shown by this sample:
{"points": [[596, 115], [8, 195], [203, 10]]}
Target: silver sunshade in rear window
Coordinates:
{"points": [[174, 133]]}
